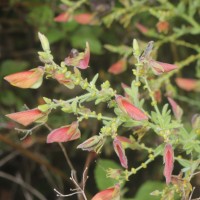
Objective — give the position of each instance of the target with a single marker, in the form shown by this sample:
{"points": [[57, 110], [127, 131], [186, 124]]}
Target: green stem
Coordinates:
{"points": [[154, 103]]}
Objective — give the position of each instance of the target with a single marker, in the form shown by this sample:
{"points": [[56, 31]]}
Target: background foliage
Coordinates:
{"points": [[175, 28]]}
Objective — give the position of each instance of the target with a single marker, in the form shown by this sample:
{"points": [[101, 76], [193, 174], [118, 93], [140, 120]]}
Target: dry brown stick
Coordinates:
{"points": [[33, 156]]}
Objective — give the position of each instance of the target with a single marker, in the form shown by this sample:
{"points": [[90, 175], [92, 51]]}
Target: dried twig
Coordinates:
{"points": [[78, 189]]}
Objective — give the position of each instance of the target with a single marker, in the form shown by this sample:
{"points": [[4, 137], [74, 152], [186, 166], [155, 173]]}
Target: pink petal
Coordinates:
{"points": [[130, 109], [118, 67], [26, 117], [141, 28], [64, 133], [107, 194], [160, 67], [187, 84], [83, 64], [123, 139], [63, 17], [178, 112], [169, 162], [83, 18], [120, 152], [26, 79]]}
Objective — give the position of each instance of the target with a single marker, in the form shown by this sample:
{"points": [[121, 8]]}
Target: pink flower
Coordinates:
{"points": [[130, 109], [187, 84], [28, 116], [27, 79], [143, 29], [178, 112], [108, 194], [120, 152], [118, 67], [160, 67], [64, 133], [169, 162], [63, 17], [81, 60], [83, 18]]}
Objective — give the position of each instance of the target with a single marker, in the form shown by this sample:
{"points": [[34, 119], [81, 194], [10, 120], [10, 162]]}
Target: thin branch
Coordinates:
{"points": [[9, 157], [23, 184]]}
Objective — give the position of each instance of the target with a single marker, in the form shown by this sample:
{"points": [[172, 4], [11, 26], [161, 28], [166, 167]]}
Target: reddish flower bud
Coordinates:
{"points": [[160, 67], [143, 29], [162, 26], [188, 84], [112, 193], [130, 109], [64, 133], [94, 143], [158, 96], [169, 162], [118, 67], [28, 116], [81, 60], [27, 79], [178, 112], [119, 150], [83, 18], [63, 17]]}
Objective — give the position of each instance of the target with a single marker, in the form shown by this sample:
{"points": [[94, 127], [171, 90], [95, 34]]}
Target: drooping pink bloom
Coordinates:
{"points": [[169, 162], [28, 116], [143, 29], [160, 67], [108, 194], [81, 60], [178, 112], [119, 150], [64, 133], [130, 109], [118, 67], [27, 79], [83, 18], [187, 84], [63, 17]]}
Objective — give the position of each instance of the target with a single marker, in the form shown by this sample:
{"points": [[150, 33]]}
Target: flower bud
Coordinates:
{"points": [[120, 152], [188, 84], [118, 67], [169, 162], [94, 143], [64, 133], [44, 42], [196, 121], [130, 109], [178, 112], [136, 49]]}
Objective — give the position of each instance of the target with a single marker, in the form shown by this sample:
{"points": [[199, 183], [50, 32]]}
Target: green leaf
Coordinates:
{"points": [[102, 181], [84, 34], [55, 35], [148, 187], [12, 66], [8, 98]]}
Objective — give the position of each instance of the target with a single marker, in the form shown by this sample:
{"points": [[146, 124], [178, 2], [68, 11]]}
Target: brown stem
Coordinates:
{"points": [[33, 156]]}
